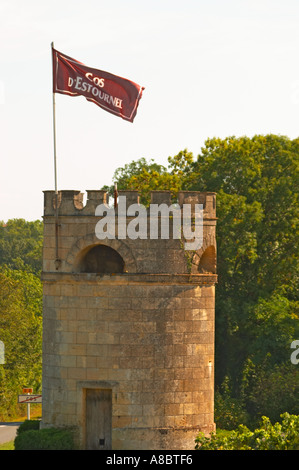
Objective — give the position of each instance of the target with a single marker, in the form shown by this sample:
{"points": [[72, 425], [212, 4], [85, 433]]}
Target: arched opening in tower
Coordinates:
{"points": [[101, 259], [207, 262]]}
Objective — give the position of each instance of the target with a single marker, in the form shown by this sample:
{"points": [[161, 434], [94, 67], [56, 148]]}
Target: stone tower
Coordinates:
{"points": [[128, 333]]}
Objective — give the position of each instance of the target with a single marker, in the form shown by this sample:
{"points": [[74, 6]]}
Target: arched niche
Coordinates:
{"points": [[207, 263], [100, 259]]}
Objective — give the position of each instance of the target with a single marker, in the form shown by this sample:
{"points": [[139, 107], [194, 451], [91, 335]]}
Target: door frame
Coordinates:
{"points": [[82, 386]]}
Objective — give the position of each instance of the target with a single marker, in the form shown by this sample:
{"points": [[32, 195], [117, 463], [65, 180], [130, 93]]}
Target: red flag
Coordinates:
{"points": [[116, 95]]}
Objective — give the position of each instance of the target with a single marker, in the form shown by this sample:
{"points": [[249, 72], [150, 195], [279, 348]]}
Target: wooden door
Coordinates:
{"points": [[98, 419]]}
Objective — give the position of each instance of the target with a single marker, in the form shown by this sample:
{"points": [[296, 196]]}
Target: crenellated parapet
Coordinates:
{"points": [[70, 202], [72, 229]]}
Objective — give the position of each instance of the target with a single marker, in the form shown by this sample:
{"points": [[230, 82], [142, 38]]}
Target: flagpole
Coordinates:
{"points": [[57, 260], [54, 132]]}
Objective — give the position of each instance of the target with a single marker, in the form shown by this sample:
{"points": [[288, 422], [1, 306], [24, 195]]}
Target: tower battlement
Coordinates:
{"points": [[70, 202], [73, 229]]}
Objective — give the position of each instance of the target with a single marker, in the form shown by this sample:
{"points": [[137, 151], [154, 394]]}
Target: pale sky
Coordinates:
{"points": [[210, 68]]}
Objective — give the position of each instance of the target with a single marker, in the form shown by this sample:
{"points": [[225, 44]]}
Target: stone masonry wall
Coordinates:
{"points": [[147, 334]]}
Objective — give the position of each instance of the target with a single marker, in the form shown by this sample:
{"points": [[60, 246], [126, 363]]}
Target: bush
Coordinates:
{"points": [[28, 425], [45, 439], [229, 411], [272, 391], [280, 436]]}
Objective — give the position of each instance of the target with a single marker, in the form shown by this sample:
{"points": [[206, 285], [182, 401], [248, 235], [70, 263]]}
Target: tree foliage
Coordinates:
{"points": [[263, 173], [256, 181], [20, 311], [279, 436], [145, 176], [21, 244], [21, 333]]}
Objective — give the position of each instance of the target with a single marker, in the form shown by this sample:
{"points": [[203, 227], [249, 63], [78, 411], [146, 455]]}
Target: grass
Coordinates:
{"points": [[35, 413], [7, 446]]}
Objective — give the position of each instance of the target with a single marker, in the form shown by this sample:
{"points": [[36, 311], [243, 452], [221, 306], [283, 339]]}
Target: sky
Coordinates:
{"points": [[210, 68]]}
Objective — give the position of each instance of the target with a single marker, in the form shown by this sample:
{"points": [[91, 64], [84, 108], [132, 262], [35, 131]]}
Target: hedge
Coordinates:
{"points": [[28, 425], [44, 439], [282, 435]]}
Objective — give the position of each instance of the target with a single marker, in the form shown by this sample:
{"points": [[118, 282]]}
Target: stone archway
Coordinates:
{"points": [[90, 241], [205, 261], [100, 259]]}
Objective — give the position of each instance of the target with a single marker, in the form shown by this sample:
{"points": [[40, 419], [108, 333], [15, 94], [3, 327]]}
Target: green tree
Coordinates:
{"points": [[123, 174], [21, 333], [146, 176], [270, 382], [256, 181], [126, 176], [267, 436], [21, 244], [264, 172]]}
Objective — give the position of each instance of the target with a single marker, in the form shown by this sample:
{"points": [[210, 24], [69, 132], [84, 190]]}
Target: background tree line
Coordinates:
{"points": [[256, 181], [20, 312]]}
